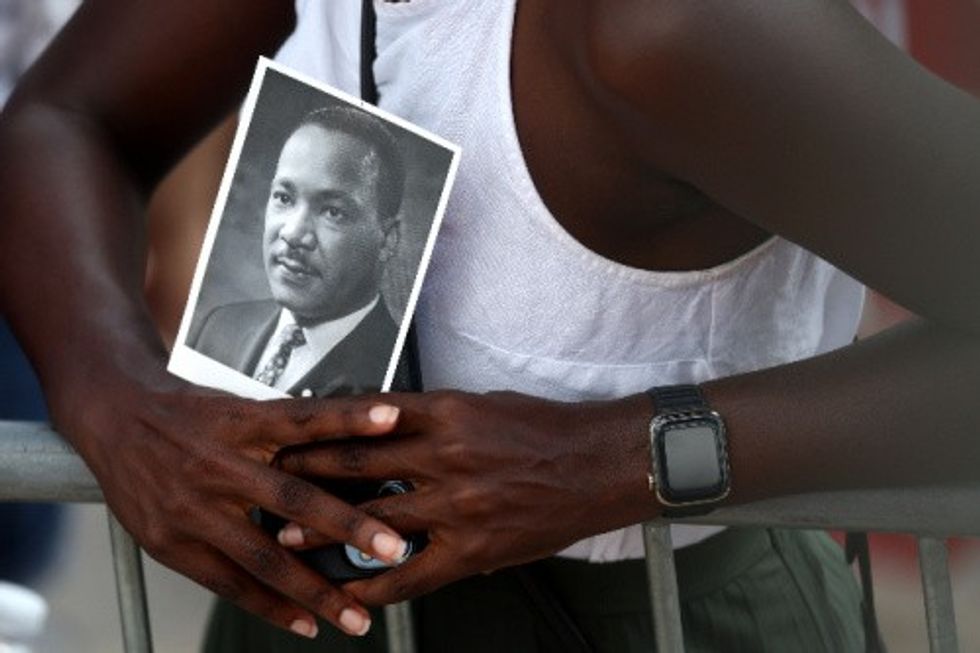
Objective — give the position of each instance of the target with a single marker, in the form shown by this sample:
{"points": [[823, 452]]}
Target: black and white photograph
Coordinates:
{"points": [[317, 245]]}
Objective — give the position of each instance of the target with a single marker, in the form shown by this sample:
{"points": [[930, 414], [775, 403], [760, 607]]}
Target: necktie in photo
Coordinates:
{"points": [[290, 338]]}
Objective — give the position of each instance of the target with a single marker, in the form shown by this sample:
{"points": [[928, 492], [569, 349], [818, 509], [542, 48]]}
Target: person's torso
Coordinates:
{"points": [[549, 273]]}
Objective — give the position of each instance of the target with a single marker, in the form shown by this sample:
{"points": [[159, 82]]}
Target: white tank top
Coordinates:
{"points": [[512, 301]]}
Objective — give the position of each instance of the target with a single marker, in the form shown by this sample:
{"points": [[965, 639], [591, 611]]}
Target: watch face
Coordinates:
{"points": [[691, 460]]}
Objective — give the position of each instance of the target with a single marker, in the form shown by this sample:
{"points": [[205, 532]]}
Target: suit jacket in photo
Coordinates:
{"points": [[237, 334]]}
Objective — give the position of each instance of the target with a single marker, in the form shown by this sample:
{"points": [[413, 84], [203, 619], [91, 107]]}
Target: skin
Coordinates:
{"points": [[665, 135], [322, 226], [177, 215]]}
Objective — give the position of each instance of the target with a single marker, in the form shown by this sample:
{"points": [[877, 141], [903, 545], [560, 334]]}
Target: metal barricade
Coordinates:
{"points": [[37, 465]]}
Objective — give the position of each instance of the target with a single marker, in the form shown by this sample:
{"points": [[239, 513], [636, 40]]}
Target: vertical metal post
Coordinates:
{"points": [[398, 625], [937, 591], [130, 589], [664, 597]]}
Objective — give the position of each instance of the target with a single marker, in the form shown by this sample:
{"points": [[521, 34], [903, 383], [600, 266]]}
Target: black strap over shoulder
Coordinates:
{"points": [[408, 374], [369, 23]]}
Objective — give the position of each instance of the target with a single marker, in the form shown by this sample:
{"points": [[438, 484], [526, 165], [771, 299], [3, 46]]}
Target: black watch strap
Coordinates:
{"points": [[677, 398]]}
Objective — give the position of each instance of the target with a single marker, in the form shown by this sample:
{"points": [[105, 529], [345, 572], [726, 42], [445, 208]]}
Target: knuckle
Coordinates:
{"points": [[293, 496], [225, 587], [352, 414], [207, 470], [380, 510], [340, 522], [157, 538], [390, 587], [353, 522], [218, 419], [352, 456], [471, 502], [267, 562], [293, 462], [326, 599], [340, 413], [198, 463], [470, 553], [235, 411], [252, 420], [452, 453], [300, 413], [447, 404], [176, 508], [223, 411]]}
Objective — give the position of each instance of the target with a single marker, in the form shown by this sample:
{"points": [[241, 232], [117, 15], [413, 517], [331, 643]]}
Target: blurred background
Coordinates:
{"points": [[63, 552]]}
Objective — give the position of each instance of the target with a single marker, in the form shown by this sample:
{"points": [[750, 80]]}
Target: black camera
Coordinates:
{"points": [[342, 562]]}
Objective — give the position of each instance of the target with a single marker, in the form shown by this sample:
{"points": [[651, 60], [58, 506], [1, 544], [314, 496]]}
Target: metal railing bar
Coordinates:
{"points": [[937, 511], [130, 589], [399, 627], [664, 595], [36, 464], [937, 591]]}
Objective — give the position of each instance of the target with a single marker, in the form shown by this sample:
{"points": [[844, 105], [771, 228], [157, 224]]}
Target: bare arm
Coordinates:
{"points": [[93, 127], [804, 120], [799, 117], [121, 94]]}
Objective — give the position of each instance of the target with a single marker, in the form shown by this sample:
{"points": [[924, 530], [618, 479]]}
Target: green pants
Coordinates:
{"points": [[750, 590]]}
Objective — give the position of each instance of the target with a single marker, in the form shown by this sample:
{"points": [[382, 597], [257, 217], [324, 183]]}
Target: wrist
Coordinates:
{"points": [[618, 434], [102, 376]]}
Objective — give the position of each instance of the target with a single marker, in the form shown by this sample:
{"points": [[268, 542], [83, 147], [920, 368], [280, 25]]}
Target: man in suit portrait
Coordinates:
{"points": [[331, 225]]}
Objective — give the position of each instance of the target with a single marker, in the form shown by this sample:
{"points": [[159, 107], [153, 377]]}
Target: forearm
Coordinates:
{"points": [[898, 409], [895, 410], [71, 237], [92, 128]]}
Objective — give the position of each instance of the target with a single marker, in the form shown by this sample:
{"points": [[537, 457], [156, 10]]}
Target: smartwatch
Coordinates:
{"points": [[688, 450]]}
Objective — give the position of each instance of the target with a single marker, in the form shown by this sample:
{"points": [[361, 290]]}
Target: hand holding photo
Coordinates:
{"points": [[317, 245]]}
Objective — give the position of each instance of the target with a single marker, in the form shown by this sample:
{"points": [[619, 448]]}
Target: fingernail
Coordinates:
{"points": [[383, 414], [354, 622], [304, 628], [388, 546], [291, 535]]}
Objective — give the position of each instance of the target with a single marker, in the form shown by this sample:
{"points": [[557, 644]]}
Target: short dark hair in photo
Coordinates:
{"points": [[373, 131]]}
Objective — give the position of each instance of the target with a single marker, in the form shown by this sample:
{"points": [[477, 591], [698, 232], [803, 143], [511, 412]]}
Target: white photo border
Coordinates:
{"points": [[202, 370]]}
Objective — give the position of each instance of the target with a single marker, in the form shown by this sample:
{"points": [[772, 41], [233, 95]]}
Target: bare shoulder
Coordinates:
{"points": [[662, 34], [801, 117], [669, 57]]}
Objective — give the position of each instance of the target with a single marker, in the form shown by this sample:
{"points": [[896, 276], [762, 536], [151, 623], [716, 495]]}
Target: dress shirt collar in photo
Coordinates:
{"points": [[320, 340]]}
